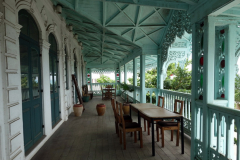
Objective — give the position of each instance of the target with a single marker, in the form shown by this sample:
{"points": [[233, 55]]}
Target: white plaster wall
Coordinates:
{"points": [[11, 126]]}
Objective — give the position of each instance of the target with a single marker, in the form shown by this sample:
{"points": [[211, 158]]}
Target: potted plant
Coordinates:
{"points": [[126, 105]]}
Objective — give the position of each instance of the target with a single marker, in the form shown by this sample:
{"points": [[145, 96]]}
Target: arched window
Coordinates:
{"points": [[66, 67], [53, 68], [53, 43], [30, 80], [29, 27]]}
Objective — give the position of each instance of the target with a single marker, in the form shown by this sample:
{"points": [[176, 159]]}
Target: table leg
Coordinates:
{"points": [[130, 111], [182, 135], [153, 142], [139, 122]]}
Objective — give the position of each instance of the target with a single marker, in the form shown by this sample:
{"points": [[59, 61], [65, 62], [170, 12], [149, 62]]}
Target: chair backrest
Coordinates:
{"points": [[109, 86], [176, 103], [121, 119], [113, 107], [161, 98]]}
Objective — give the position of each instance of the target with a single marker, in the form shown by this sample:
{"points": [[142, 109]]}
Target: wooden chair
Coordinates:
{"points": [[127, 118], [148, 122], [171, 125], [86, 92], [114, 93], [128, 127]]}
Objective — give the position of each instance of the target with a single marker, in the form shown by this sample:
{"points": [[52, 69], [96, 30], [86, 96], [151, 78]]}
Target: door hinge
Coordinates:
{"points": [[58, 86], [57, 61], [40, 90], [43, 126], [40, 55], [59, 111]]}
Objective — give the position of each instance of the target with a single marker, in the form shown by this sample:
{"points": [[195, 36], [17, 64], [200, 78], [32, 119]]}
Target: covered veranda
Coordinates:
{"points": [[93, 137], [43, 43]]}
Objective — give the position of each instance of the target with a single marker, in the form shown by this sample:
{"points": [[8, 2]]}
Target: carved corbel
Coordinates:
{"points": [[44, 16], [51, 28]]}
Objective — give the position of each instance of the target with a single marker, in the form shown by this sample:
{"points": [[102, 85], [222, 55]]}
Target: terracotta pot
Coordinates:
{"points": [[78, 109], [126, 108], [85, 98], [101, 109]]}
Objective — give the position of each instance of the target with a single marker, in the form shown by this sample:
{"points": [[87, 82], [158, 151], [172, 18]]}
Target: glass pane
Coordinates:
{"points": [[35, 73], [24, 72], [55, 74], [51, 74], [34, 33], [23, 21], [53, 42]]}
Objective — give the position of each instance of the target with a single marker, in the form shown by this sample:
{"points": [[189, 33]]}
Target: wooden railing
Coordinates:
{"points": [[224, 136]]}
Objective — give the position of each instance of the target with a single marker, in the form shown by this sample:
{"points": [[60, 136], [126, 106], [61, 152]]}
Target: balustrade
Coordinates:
{"points": [[224, 136]]}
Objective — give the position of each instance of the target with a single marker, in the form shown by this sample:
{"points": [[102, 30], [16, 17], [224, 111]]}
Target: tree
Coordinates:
{"points": [[150, 79], [237, 90], [105, 79], [183, 78]]}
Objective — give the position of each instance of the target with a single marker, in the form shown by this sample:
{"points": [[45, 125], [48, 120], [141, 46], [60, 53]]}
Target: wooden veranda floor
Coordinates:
{"points": [[93, 137]]}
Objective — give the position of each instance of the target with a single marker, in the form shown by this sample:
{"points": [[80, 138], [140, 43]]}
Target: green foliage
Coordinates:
{"points": [[126, 87], [237, 89], [182, 80], [153, 98], [105, 79], [150, 79]]}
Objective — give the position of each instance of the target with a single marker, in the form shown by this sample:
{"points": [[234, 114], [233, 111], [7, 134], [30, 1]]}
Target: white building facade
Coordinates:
{"points": [[26, 55]]}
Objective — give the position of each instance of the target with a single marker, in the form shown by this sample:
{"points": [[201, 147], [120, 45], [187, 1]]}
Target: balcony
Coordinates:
{"points": [[94, 137]]}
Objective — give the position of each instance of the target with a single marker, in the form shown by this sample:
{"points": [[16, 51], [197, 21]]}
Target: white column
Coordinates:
{"points": [[194, 89], [208, 81], [230, 82], [61, 76], [230, 67], [134, 77], [47, 116], [125, 73], [142, 79]]}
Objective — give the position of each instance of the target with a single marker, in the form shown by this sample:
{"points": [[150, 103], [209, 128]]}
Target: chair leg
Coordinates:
{"points": [[148, 127], [144, 125], [178, 138], [120, 134], [135, 137], [116, 127], [131, 134], [118, 130], [171, 135], [162, 130], [141, 140], [157, 133], [124, 140]]}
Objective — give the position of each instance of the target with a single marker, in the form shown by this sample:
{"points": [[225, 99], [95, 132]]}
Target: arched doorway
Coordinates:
{"points": [[75, 73], [53, 70], [30, 80]]}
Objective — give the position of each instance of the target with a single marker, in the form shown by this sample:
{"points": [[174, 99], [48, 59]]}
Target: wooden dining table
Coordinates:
{"points": [[153, 112], [108, 92]]}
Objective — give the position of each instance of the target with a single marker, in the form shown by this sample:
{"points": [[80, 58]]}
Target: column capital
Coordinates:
{"points": [[44, 44]]}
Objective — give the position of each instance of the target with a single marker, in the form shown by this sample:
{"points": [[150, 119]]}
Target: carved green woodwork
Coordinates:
{"points": [[220, 56], [200, 60]]}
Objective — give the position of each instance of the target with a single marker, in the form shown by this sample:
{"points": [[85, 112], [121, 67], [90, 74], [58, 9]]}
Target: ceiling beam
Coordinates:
{"points": [[189, 2], [137, 23], [159, 3]]}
